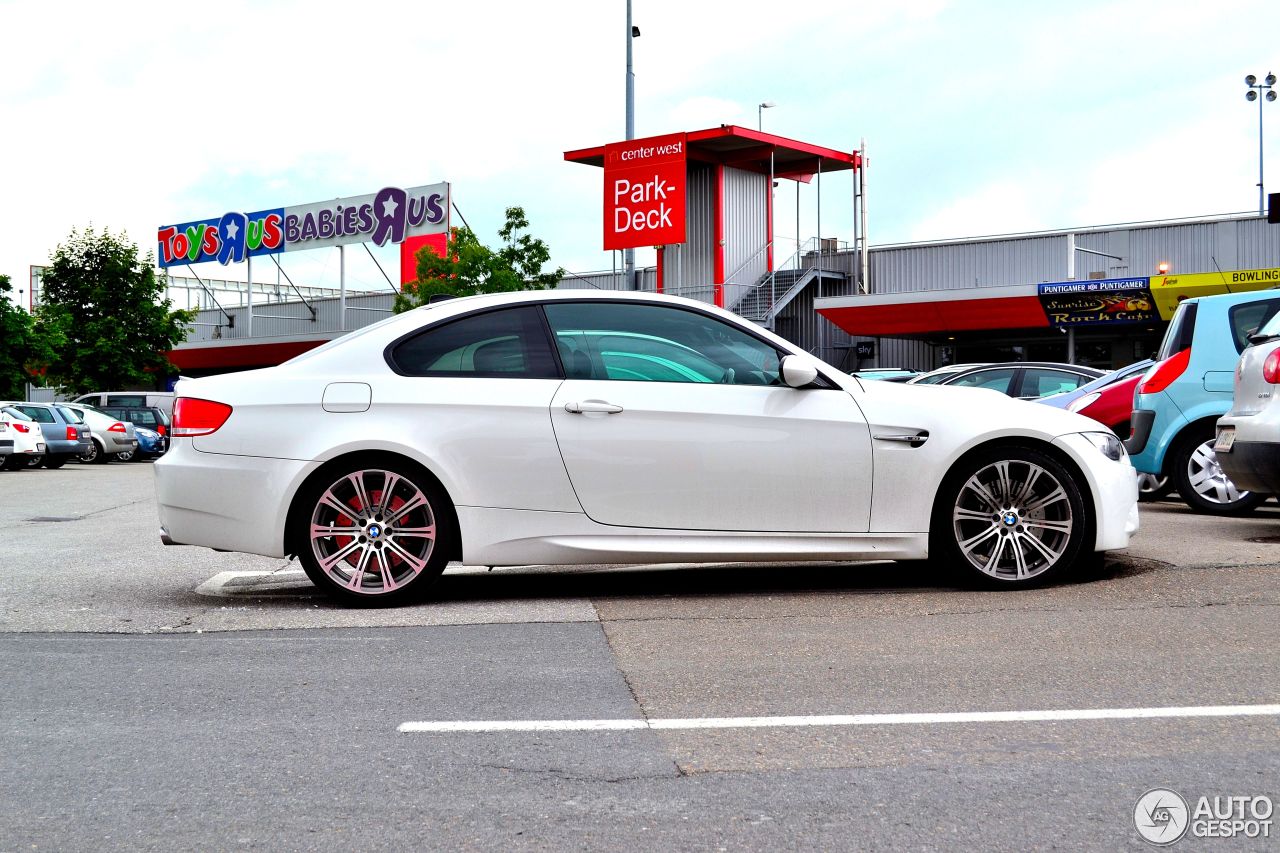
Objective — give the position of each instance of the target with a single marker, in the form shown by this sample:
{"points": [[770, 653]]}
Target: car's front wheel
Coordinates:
{"points": [[1010, 517], [126, 455], [374, 533], [1201, 481]]}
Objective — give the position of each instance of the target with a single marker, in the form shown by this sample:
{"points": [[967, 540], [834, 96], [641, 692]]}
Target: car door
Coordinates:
{"points": [[672, 418], [473, 393]]}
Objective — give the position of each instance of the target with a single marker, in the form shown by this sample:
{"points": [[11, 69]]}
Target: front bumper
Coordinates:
{"points": [[1114, 487], [1253, 466]]}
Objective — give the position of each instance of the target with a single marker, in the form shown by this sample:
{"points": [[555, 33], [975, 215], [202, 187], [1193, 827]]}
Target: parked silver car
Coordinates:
{"points": [[109, 435], [66, 435], [1248, 439]]}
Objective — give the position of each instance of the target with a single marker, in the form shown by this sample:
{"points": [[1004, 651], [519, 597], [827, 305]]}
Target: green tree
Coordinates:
{"points": [[24, 346], [470, 267], [106, 321]]}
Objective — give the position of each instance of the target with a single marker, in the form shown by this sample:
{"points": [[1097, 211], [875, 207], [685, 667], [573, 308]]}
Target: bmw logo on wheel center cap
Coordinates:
{"points": [[374, 531], [1010, 518]]}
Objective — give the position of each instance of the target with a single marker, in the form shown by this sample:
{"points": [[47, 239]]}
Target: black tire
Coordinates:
{"points": [[1022, 533], [1156, 488], [376, 549], [1201, 481], [94, 455], [54, 462], [13, 462]]}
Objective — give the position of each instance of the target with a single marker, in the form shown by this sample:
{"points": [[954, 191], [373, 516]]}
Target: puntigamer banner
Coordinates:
{"points": [[387, 216]]}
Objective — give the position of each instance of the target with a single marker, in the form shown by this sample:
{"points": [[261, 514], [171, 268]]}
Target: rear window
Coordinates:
{"points": [[1181, 329], [1249, 318], [71, 415], [15, 413], [126, 399]]}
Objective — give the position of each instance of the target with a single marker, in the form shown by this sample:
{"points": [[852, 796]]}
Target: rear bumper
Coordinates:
{"points": [[62, 447], [1140, 422], [1253, 465], [232, 503]]}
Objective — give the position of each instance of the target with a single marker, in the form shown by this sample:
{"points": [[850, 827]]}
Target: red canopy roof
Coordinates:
{"points": [[743, 148]]}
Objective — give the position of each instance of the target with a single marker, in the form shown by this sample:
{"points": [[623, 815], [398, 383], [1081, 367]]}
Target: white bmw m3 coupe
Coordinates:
{"points": [[557, 427]]}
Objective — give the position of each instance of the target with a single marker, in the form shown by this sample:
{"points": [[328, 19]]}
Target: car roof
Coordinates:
{"points": [[1232, 298]]}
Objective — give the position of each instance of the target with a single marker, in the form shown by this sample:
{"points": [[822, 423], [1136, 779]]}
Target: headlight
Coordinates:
{"points": [[1083, 402], [1110, 446]]}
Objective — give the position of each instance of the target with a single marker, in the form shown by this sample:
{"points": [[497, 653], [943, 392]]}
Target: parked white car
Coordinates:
{"points": [[1247, 445], [27, 439], [563, 427]]}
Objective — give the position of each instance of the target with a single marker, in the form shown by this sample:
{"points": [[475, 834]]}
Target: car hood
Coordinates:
{"points": [[978, 410]]}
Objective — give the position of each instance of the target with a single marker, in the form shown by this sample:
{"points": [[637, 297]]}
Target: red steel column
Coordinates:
{"points": [[768, 226], [662, 251], [717, 212]]}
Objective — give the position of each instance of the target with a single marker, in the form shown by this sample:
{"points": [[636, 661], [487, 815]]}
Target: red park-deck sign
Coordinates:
{"points": [[644, 192]]}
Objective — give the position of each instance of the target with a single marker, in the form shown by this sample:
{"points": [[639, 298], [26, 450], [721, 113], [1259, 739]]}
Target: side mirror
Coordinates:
{"points": [[797, 372]]}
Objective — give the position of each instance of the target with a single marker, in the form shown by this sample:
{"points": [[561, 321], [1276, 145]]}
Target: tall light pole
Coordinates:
{"points": [[629, 255], [1254, 94], [764, 105]]}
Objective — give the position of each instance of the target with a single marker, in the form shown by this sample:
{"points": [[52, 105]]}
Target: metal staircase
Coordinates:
{"points": [[774, 291]]}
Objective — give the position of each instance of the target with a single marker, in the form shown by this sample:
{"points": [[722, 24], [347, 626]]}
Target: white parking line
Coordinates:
{"points": [[444, 726]]}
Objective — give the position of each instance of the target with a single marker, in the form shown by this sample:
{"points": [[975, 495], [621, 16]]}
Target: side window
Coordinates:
{"points": [[143, 417], [1249, 318], [653, 343], [126, 400], [510, 343], [996, 380], [1041, 382]]}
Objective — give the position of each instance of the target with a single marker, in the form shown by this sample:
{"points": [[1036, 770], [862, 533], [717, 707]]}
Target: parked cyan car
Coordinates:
{"points": [[1181, 397]]}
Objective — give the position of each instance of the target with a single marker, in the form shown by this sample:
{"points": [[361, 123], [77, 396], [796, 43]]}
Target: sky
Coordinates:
{"points": [[978, 117]]}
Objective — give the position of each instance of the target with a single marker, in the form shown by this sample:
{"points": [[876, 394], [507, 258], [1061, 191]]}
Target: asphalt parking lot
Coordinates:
{"points": [[176, 698]]}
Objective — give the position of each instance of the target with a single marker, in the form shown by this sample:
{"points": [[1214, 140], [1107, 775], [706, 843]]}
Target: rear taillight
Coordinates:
{"points": [[160, 428], [72, 435], [1271, 367], [21, 427], [193, 416], [1164, 373], [116, 427]]}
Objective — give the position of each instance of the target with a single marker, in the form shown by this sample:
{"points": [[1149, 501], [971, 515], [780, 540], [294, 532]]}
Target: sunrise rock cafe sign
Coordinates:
{"points": [[644, 192], [388, 216]]}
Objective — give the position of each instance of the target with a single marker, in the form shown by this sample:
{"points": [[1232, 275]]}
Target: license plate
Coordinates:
{"points": [[1226, 438]]}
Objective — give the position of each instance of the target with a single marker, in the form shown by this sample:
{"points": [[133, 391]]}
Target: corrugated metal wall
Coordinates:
{"points": [[362, 310], [1191, 247], [688, 269], [745, 229]]}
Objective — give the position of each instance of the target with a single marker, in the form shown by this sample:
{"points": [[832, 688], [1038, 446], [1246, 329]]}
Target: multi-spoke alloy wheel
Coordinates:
{"points": [[1202, 482], [371, 533], [1013, 516]]}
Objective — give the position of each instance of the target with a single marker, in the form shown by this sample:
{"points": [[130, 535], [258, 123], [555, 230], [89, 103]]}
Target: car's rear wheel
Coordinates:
{"points": [[58, 461], [1201, 481], [1153, 487], [1010, 517], [94, 455], [374, 533]]}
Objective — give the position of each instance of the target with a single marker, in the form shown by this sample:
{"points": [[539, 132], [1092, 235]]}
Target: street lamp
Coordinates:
{"points": [[764, 105], [1255, 90]]}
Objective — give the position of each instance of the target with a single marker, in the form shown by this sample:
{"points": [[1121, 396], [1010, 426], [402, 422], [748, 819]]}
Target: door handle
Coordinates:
{"points": [[588, 406]]}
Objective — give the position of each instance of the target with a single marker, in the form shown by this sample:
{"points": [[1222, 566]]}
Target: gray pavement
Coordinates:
{"points": [[139, 713]]}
